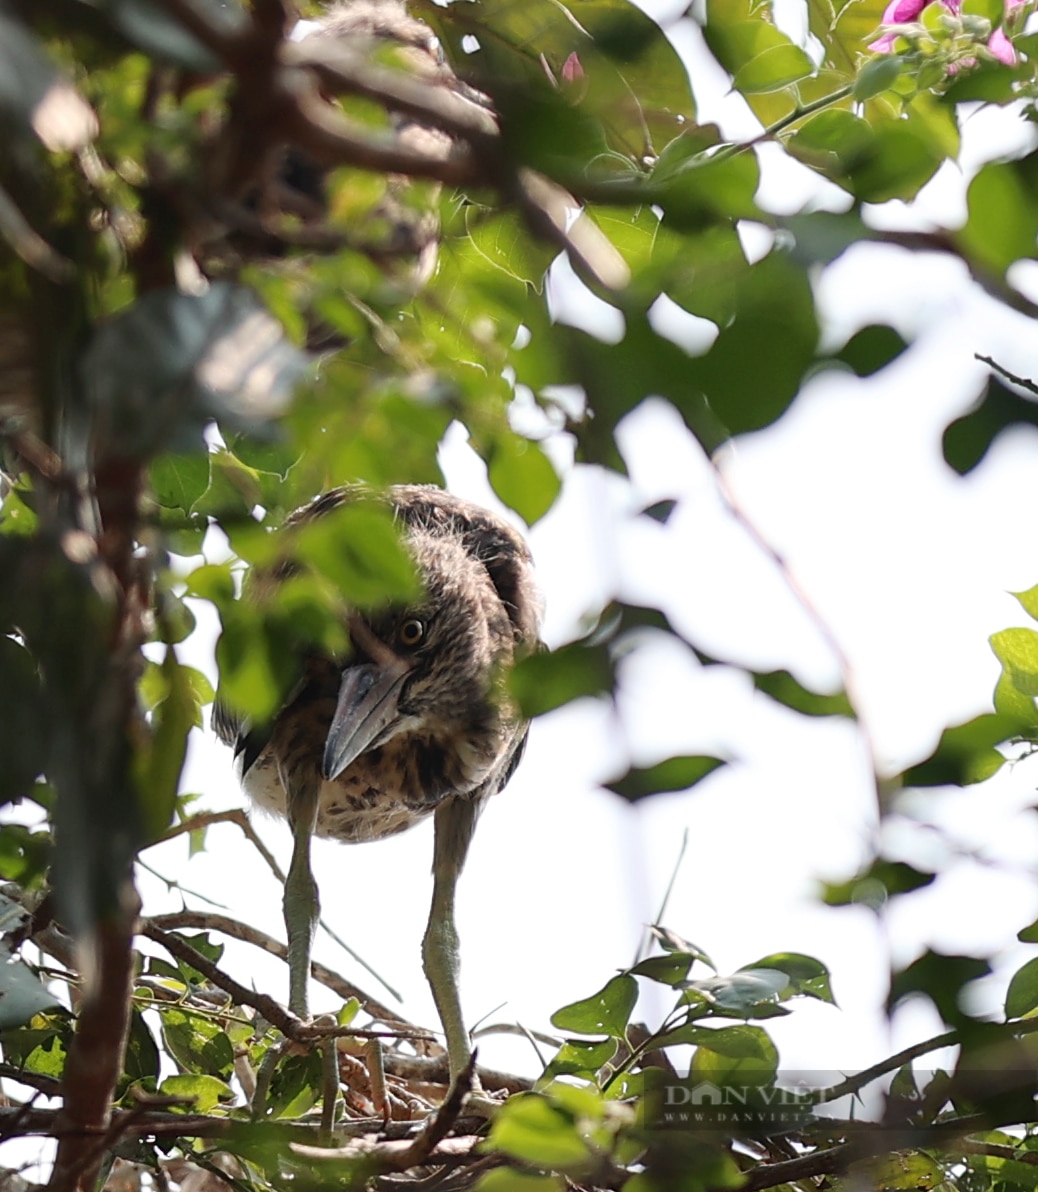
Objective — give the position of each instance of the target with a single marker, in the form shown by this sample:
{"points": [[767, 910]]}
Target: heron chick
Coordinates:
{"points": [[412, 721]]}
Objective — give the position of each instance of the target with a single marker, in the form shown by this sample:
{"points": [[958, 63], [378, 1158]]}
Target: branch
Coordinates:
{"points": [[95, 1059], [210, 921], [341, 69], [284, 1020]]}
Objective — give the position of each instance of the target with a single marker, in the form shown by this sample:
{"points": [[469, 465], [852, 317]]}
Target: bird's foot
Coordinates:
{"points": [[481, 1104]]}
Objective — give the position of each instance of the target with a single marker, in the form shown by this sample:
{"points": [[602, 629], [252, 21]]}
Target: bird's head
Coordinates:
{"points": [[431, 668]]}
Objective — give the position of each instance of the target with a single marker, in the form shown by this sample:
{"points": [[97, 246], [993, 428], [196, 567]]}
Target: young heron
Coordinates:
{"points": [[412, 722]]}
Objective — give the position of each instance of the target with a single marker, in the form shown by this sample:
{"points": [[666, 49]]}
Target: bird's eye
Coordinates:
{"points": [[411, 632]]}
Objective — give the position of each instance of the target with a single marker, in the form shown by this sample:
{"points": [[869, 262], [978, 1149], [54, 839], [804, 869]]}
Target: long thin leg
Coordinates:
{"points": [[454, 824], [301, 905]]}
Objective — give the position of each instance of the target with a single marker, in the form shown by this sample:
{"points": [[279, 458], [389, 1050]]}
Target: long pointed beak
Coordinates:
{"points": [[368, 704]]}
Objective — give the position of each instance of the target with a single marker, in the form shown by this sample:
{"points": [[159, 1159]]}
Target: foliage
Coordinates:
{"points": [[218, 299]]}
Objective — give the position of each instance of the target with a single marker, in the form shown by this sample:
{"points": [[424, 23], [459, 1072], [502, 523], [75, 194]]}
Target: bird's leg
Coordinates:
{"points": [[301, 904], [454, 824]]}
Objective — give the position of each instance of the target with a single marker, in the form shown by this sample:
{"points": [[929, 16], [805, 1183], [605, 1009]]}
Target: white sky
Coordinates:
{"points": [[910, 568]]}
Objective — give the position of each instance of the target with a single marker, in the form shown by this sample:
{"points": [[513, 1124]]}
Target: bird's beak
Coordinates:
{"points": [[368, 704]]}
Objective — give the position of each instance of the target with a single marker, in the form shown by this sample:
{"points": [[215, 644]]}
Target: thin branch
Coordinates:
{"points": [[239, 818], [284, 1020], [1023, 382], [209, 921], [437, 103], [234, 815]]}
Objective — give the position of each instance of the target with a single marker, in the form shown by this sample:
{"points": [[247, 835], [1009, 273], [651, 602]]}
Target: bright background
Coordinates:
{"points": [[908, 568]]}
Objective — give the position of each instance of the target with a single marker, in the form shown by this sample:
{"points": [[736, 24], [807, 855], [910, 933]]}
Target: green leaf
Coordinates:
{"points": [[782, 687], [141, 1061], [941, 978], [357, 548], [674, 774], [579, 1057], [735, 1055], [23, 740], [808, 977], [743, 992], [529, 1128], [670, 969], [874, 885], [967, 439], [870, 349], [606, 1012], [759, 56], [202, 1093], [1017, 651], [523, 477], [1029, 602], [876, 75], [160, 756], [1022, 995], [546, 681], [968, 753], [505, 1179], [1006, 188]]}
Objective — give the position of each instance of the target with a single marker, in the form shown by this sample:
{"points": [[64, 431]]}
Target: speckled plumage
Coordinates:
{"points": [[413, 720], [481, 608]]}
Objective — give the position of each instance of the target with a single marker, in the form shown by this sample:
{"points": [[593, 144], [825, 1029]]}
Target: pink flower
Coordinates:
{"points": [[904, 12]]}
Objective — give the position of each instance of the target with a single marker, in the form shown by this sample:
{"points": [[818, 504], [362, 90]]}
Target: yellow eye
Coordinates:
{"points": [[411, 632]]}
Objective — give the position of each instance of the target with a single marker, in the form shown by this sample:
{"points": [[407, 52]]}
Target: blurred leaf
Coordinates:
{"points": [[782, 687], [674, 774], [546, 681], [758, 55], [505, 1179], [523, 477], [1005, 187], [871, 348], [1022, 995], [874, 885], [660, 511], [967, 439], [215, 355], [22, 994], [606, 1012], [151, 27], [23, 726], [357, 548], [160, 756], [24, 855], [967, 753], [905, 1171], [941, 978], [202, 1093], [529, 1128], [876, 75], [33, 95]]}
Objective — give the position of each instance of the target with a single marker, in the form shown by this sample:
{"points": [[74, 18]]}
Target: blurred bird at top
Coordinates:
{"points": [[414, 720]]}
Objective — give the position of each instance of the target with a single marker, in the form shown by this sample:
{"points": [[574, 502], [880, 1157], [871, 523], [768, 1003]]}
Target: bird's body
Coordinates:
{"points": [[413, 720]]}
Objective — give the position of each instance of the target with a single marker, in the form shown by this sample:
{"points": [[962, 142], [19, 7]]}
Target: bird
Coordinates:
{"points": [[413, 719]]}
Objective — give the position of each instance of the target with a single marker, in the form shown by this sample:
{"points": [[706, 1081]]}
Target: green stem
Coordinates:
{"points": [[798, 113]]}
